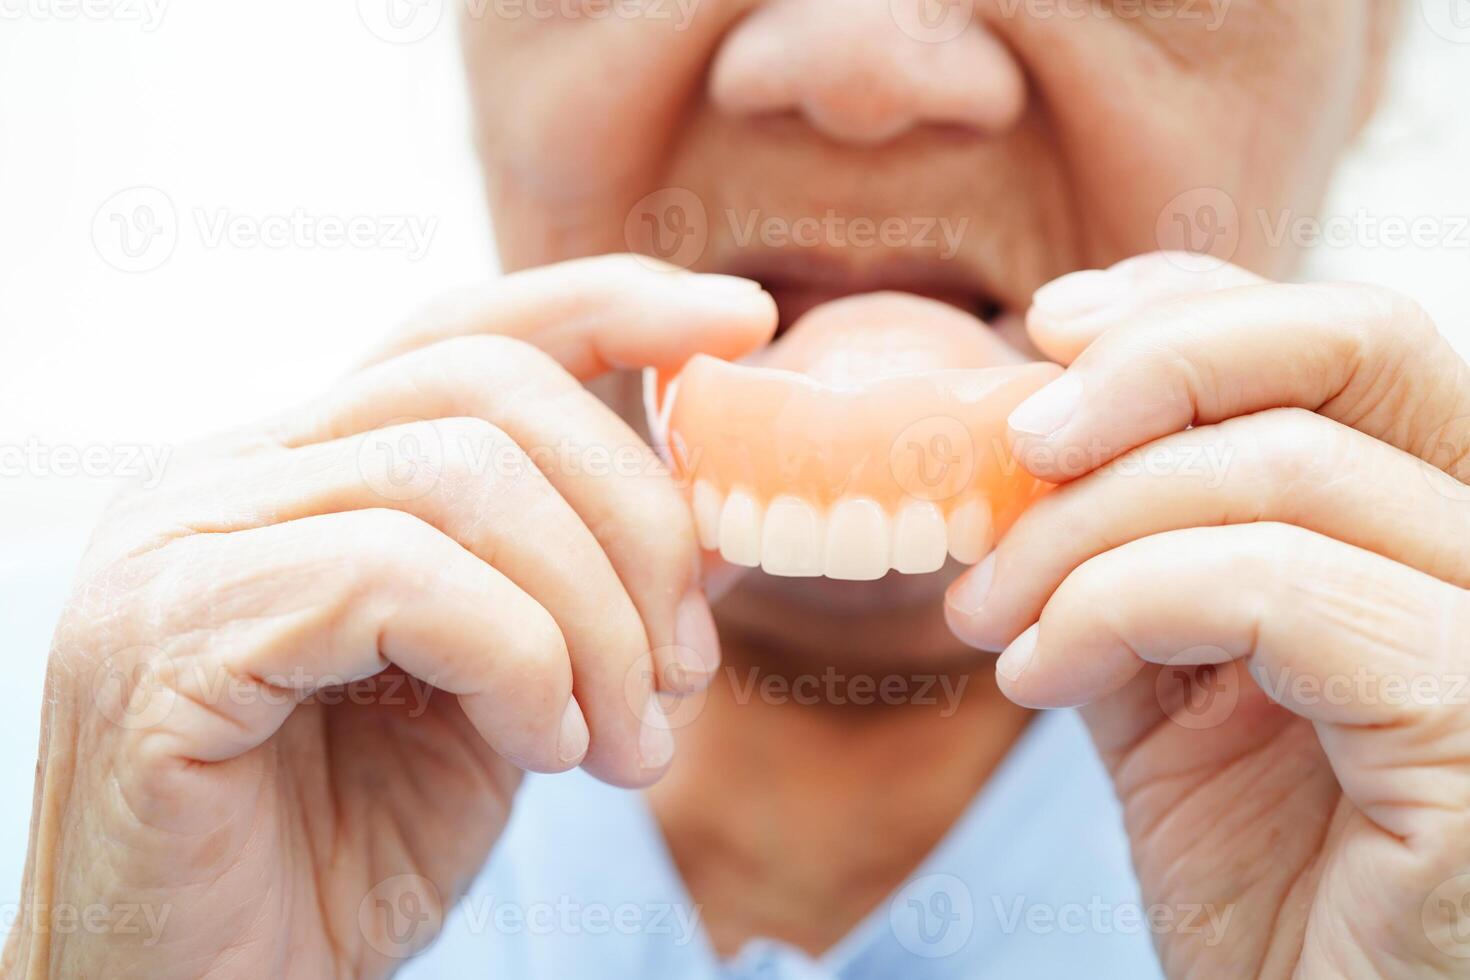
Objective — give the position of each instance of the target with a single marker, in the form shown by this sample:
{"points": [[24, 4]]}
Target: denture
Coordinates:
{"points": [[869, 437]]}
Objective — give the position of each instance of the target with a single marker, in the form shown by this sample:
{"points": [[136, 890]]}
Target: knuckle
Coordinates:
{"points": [[384, 530], [1383, 329], [483, 462], [469, 427], [1276, 553], [1158, 356], [659, 530], [1395, 312], [469, 446], [1300, 448], [673, 547], [473, 367], [1407, 309], [1285, 432], [476, 355], [450, 304], [1262, 560], [537, 651]]}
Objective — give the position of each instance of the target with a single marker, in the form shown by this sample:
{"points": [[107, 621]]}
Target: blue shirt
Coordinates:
{"points": [[1033, 881]]}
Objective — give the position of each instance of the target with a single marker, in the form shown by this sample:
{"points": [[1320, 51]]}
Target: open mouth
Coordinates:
{"points": [[801, 283], [867, 438]]}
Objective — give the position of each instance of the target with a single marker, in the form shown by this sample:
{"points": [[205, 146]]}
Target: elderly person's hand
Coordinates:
{"points": [[292, 695], [1253, 577]]}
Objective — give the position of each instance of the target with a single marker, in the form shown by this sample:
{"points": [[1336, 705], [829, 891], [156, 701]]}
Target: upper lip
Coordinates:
{"points": [[832, 276], [817, 270]]}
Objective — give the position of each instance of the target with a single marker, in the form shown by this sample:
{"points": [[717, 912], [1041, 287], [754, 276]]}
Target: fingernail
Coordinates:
{"points": [[1080, 293], [969, 593], [723, 285], [1049, 409], [571, 742], [695, 634], [655, 741], [1017, 657]]}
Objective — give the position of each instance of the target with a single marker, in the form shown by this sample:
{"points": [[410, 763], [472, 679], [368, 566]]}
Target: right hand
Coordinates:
{"points": [[206, 778]]}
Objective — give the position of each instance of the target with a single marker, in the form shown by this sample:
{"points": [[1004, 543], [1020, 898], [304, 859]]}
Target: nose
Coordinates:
{"points": [[868, 71]]}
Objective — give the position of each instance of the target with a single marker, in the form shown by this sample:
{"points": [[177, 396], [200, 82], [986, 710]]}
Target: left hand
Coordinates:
{"points": [[1253, 577]]}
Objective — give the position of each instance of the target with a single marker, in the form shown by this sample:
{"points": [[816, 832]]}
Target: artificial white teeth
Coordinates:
{"points": [[970, 531], [707, 506], [858, 541], [791, 538], [920, 539], [740, 530]]}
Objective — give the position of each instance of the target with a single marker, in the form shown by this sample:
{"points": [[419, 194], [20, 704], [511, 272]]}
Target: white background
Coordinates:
{"points": [[279, 109]]}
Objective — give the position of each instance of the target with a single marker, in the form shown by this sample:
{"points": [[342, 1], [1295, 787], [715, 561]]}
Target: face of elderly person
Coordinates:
{"points": [[969, 153]]}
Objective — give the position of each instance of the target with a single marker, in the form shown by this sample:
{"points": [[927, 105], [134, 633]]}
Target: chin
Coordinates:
{"points": [[893, 623]]}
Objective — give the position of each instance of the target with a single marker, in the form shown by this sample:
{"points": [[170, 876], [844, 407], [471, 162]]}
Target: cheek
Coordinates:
{"points": [[1191, 130], [576, 120]]}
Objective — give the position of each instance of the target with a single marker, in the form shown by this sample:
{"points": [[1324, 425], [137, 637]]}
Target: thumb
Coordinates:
{"points": [[1069, 313]]}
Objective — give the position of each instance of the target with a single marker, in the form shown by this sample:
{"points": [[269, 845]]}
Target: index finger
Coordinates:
{"points": [[600, 314], [1069, 313], [1355, 353]]}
